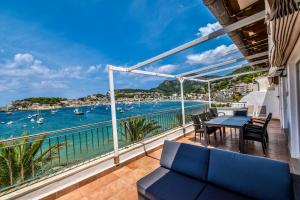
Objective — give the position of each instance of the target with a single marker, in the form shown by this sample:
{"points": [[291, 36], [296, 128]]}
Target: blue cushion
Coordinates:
{"points": [[164, 184], [186, 159], [252, 176], [212, 192]]}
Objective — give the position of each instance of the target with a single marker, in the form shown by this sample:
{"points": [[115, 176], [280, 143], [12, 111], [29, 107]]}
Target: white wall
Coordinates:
{"points": [[293, 109], [263, 83], [268, 96], [283, 102]]}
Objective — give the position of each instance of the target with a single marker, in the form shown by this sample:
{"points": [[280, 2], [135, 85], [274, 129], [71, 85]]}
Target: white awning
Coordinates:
{"points": [[283, 20]]}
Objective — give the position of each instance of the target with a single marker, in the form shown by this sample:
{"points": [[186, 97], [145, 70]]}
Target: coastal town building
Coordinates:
{"points": [[245, 88]]}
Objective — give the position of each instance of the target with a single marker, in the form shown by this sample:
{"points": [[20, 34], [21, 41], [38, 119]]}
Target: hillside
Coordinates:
{"points": [[169, 87], [226, 83]]}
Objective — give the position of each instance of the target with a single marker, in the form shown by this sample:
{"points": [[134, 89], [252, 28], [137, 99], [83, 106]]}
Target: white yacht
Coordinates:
{"points": [[78, 112], [10, 122], [40, 120]]}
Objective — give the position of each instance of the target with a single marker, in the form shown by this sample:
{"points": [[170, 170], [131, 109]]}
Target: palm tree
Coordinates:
{"points": [[22, 159], [138, 128]]}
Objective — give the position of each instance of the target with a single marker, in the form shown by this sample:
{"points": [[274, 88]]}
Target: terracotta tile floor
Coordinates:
{"points": [[121, 183]]}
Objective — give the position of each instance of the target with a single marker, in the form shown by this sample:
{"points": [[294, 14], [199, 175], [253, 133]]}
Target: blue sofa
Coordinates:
{"points": [[192, 172]]}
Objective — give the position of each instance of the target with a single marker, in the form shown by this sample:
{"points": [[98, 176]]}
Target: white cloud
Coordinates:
{"points": [[219, 54], [38, 68], [2, 88], [25, 58], [168, 68], [25, 71], [50, 84], [71, 72], [94, 68], [25, 65], [9, 85], [209, 28]]}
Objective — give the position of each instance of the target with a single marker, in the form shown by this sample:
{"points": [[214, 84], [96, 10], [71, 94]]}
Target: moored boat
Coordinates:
{"points": [[10, 122], [78, 112]]}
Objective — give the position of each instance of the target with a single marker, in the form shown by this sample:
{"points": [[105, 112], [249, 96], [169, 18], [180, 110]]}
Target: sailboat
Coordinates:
{"points": [[7, 111], [78, 112], [40, 119]]}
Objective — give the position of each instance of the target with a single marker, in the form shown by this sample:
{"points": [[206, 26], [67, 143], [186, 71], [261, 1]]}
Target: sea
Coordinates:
{"points": [[13, 125]]}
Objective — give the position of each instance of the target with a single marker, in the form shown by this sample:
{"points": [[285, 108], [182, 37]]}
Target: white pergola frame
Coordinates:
{"points": [[183, 76]]}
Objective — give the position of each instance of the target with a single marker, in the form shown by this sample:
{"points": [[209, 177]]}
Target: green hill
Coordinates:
{"points": [[169, 87]]}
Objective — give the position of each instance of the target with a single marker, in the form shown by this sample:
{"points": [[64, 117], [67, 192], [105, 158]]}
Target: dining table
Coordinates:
{"points": [[237, 122]]}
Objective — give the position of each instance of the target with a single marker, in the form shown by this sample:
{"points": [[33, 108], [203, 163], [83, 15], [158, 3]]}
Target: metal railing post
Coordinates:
{"points": [[113, 114], [181, 80], [209, 96]]}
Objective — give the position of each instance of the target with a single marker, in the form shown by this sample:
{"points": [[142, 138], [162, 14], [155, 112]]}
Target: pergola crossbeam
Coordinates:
{"points": [[236, 75], [237, 60], [232, 27], [124, 69], [211, 67], [230, 68], [143, 72], [265, 53]]}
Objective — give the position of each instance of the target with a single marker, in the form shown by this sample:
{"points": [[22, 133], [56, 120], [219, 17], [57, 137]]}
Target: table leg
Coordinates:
{"points": [[241, 139], [205, 135], [224, 130]]}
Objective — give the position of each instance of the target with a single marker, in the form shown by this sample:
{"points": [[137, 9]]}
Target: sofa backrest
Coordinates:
{"points": [[255, 177], [185, 159]]}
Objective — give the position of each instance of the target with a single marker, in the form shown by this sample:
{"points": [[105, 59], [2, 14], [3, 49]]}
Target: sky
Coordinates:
{"points": [[61, 47]]}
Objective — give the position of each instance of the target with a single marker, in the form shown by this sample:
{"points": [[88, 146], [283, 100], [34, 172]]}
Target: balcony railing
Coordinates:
{"points": [[30, 158]]}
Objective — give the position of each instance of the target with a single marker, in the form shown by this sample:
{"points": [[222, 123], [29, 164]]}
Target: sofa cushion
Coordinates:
{"points": [[165, 184], [212, 192], [186, 159], [252, 176]]}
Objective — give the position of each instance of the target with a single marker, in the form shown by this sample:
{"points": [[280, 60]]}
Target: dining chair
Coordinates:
{"points": [[205, 116], [258, 123], [198, 126], [214, 112], [257, 133]]}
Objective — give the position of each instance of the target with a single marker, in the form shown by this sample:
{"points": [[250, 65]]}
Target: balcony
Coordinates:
{"points": [[120, 183]]}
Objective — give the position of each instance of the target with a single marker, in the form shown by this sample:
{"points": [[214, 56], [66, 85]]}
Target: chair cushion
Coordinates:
{"points": [[211, 192], [186, 159], [164, 184], [252, 176]]}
